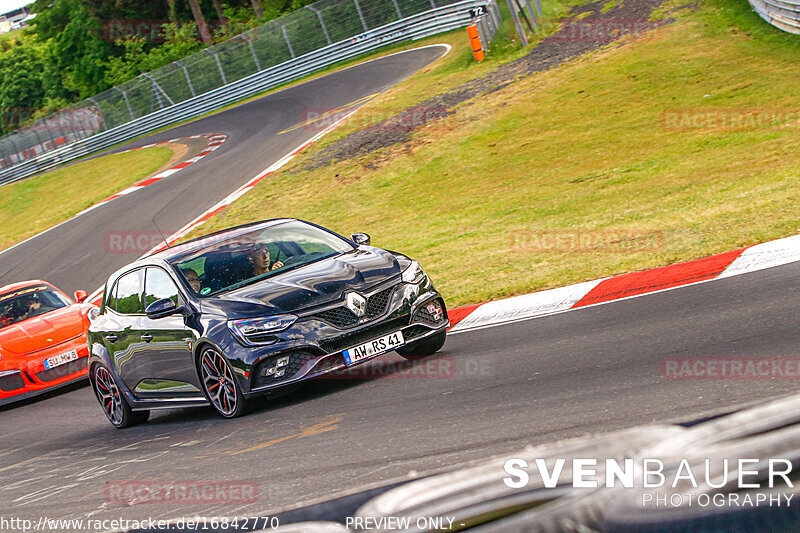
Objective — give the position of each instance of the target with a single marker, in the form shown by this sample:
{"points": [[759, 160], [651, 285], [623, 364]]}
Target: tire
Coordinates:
{"points": [[424, 347], [220, 385], [112, 400]]}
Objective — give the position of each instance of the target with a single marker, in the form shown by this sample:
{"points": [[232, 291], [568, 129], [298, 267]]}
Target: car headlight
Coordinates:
{"points": [[414, 273], [250, 329]]}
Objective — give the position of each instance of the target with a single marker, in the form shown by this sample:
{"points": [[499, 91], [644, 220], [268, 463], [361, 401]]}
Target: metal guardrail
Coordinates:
{"points": [[427, 23], [783, 14]]}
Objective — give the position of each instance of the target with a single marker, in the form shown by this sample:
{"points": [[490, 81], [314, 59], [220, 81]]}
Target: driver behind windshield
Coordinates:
{"points": [[29, 303], [29, 307], [260, 260]]}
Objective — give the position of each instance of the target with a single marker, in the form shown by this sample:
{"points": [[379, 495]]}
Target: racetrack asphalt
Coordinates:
{"points": [[489, 392]]}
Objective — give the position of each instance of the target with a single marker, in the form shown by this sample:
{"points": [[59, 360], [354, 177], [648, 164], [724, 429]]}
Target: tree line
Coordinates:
{"points": [[74, 49]]}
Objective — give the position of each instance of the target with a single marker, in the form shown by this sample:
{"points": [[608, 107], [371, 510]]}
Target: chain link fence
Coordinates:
{"points": [[279, 41]]}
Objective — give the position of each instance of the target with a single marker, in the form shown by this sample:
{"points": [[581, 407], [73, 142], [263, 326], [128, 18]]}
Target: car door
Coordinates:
{"points": [[168, 342], [122, 333]]}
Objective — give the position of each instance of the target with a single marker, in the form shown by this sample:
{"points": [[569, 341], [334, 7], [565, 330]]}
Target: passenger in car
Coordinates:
{"points": [[6, 319], [192, 278]]}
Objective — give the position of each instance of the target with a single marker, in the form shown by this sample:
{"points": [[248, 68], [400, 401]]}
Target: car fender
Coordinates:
{"points": [[98, 354]]}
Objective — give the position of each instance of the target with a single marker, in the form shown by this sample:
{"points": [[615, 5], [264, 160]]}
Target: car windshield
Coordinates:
{"points": [[29, 302], [230, 262]]}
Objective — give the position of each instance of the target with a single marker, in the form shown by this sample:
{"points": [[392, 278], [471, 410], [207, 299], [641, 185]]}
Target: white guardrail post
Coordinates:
{"points": [[417, 26]]}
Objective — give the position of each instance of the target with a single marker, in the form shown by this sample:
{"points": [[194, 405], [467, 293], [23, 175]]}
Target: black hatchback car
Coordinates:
{"points": [[250, 309]]}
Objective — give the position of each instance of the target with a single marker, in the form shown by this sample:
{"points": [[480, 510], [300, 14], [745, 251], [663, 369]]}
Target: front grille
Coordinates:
{"points": [[376, 304], [350, 340], [62, 371], [269, 373], [11, 382], [341, 317], [426, 317]]}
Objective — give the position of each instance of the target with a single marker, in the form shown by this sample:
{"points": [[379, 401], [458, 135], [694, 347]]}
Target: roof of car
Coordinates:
{"points": [[22, 285], [203, 241]]}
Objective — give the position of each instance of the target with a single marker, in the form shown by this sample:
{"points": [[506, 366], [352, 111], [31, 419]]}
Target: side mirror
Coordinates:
{"points": [[162, 309], [361, 239], [80, 296]]}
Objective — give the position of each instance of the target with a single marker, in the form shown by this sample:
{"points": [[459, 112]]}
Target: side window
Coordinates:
{"points": [[111, 301], [129, 293], [157, 286]]}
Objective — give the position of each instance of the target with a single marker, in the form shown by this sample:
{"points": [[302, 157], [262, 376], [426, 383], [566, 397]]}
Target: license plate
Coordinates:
{"points": [[378, 346], [60, 359]]}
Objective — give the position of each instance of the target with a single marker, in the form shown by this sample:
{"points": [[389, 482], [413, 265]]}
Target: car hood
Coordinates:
{"points": [[49, 329], [308, 286]]}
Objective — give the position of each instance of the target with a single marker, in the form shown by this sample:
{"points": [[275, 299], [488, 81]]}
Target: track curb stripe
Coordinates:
{"points": [[735, 262], [215, 141]]}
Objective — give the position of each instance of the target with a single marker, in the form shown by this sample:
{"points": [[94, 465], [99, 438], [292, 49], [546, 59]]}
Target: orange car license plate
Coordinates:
{"points": [[61, 359]]}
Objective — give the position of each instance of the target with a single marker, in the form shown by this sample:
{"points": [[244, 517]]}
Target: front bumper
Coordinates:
{"points": [[313, 346], [26, 376]]}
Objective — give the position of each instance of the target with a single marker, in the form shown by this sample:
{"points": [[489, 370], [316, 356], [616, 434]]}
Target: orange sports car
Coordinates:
{"points": [[42, 339]]}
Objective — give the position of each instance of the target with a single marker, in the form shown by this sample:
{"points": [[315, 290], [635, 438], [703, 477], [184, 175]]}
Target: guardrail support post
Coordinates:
{"points": [[127, 102], [496, 15], [157, 88], [219, 65], [397, 8], [517, 23], [253, 51], [99, 110], [322, 23], [361, 15], [533, 15], [188, 78], [285, 37], [38, 142], [75, 124]]}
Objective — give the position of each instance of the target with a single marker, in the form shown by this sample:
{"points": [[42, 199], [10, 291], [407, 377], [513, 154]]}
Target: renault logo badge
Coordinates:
{"points": [[356, 303]]}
